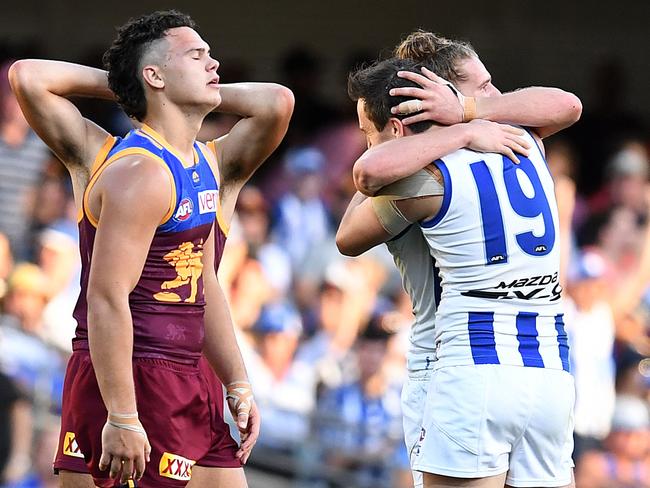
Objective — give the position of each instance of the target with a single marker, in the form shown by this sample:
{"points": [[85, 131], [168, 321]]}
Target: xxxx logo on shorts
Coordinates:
{"points": [[175, 467], [70, 446]]}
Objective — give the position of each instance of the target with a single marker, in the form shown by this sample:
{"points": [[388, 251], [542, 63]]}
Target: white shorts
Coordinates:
{"points": [[414, 397], [489, 419]]}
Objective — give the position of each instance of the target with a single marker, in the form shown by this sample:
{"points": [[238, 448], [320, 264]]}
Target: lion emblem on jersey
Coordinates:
{"points": [[188, 266]]}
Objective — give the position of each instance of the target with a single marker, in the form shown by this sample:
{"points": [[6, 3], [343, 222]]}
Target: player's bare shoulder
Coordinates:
{"points": [[140, 181]]}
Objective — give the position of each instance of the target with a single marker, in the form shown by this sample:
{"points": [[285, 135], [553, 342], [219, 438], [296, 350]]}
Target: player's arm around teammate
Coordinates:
{"points": [[379, 166], [546, 110], [361, 229]]}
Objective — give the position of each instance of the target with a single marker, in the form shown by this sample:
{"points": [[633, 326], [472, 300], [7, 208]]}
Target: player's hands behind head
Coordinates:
{"points": [[244, 410], [125, 450], [486, 136]]}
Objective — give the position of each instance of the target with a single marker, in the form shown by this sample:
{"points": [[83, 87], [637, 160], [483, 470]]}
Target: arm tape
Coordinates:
{"points": [[420, 184], [389, 216]]}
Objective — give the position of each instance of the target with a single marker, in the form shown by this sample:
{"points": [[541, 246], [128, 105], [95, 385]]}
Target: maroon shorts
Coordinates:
{"points": [[180, 406]]}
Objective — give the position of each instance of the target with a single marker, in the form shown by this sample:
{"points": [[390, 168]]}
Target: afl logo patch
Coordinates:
{"points": [[185, 209]]}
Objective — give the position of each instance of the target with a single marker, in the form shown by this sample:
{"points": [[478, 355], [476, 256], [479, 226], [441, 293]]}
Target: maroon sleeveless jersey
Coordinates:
{"points": [[167, 304]]}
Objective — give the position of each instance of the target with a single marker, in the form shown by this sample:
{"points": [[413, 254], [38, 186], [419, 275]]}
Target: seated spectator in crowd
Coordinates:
{"points": [[591, 329], [359, 422], [25, 356], [23, 159], [598, 311], [58, 257], [627, 180], [284, 387], [615, 235], [255, 271], [625, 462], [347, 294], [301, 219], [253, 219]]}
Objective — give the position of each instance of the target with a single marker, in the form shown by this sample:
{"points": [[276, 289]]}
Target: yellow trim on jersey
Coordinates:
{"points": [[103, 152], [161, 140], [223, 225], [210, 145], [149, 138], [120, 154], [99, 159]]}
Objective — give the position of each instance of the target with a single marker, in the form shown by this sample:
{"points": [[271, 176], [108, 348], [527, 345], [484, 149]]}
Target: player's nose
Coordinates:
{"points": [[213, 64]]}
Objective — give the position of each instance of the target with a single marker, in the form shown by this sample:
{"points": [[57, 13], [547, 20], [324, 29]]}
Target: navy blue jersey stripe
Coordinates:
{"points": [[481, 337], [563, 342], [496, 251], [437, 283], [527, 337], [446, 198]]}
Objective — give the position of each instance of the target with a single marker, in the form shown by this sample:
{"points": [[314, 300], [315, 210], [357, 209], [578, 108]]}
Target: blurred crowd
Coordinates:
{"points": [[324, 336]]}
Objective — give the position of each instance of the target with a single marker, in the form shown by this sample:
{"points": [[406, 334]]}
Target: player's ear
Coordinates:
{"points": [[152, 76], [396, 127]]}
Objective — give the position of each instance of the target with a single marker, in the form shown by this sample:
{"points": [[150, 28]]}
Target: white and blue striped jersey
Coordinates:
{"points": [[496, 243], [420, 280]]}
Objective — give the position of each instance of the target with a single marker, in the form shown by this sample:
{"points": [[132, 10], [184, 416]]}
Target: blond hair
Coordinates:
{"points": [[440, 53]]}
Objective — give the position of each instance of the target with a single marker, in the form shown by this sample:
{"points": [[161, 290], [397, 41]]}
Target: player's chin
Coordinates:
{"points": [[215, 97]]}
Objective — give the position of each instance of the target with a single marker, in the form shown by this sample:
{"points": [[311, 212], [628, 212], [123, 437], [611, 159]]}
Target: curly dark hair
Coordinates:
{"points": [[372, 84], [123, 57]]}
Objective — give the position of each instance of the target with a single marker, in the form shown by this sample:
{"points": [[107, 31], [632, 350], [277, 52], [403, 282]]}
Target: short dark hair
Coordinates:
{"points": [[373, 83], [123, 57]]}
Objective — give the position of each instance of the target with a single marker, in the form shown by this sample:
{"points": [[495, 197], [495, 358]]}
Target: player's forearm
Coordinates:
{"points": [[110, 337], [220, 345], [548, 110], [60, 78], [348, 235], [267, 100], [391, 161]]}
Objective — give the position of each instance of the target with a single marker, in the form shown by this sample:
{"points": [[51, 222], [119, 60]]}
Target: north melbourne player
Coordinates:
{"points": [[465, 330]]}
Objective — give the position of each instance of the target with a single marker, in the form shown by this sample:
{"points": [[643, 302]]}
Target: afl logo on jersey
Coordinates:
{"points": [[185, 209]]}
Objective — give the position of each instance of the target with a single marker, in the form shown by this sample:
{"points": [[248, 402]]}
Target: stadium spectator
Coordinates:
{"points": [[626, 459], [23, 159], [301, 217], [359, 422], [284, 387]]}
